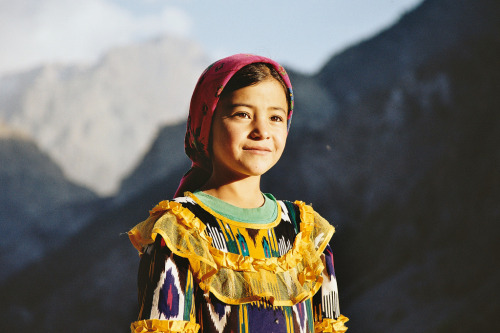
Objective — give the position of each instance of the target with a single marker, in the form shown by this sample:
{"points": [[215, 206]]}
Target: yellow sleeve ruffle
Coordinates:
{"points": [[164, 326], [237, 279], [331, 325]]}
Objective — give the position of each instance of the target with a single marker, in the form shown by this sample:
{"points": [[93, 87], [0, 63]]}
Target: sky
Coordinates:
{"points": [[302, 35]]}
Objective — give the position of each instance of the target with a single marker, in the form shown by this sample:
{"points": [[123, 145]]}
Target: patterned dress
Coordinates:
{"points": [[201, 271]]}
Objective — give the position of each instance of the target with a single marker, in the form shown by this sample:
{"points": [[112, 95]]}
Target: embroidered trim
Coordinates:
{"points": [[331, 325], [164, 326], [233, 278]]}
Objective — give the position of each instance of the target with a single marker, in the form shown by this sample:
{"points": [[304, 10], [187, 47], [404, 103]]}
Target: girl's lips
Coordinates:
{"points": [[257, 149]]}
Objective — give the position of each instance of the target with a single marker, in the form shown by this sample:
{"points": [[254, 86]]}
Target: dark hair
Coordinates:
{"points": [[252, 74]]}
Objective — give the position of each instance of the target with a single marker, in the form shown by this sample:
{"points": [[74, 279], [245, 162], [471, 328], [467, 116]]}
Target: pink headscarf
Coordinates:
{"points": [[203, 103]]}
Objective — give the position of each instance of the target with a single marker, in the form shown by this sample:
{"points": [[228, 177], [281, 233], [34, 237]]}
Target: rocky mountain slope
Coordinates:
{"points": [[33, 189], [97, 120], [401, 156], [165, 154], [412, 170]]}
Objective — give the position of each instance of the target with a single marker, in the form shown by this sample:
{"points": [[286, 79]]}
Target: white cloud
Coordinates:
{"points": [[176, 21], [298, 33], [35, 31]]}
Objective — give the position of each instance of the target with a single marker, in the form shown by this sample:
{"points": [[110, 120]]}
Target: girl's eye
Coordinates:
{"points": [[242, 115], [277, 118]]}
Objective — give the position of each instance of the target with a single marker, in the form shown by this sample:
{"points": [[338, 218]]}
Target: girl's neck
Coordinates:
{"points": [[243, 193]]}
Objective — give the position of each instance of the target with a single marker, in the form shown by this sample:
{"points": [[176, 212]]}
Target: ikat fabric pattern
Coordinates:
{"points": [[167, 290]]}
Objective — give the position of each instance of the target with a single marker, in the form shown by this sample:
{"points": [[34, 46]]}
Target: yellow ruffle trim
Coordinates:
{"points": [[164, 326], [332, 325], [233, 278]]}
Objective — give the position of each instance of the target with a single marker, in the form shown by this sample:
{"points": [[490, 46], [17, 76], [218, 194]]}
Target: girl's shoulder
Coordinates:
{"points": [[184, 216]]}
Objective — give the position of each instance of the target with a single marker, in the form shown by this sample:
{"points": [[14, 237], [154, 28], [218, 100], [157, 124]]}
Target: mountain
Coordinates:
{"points": [[409, 170], [33, 189], [89, 283], [165, 154], [97, 120], [401, 156]]}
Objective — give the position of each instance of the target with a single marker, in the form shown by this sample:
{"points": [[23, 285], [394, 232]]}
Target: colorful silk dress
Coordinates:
{"points": [[201, 271]]}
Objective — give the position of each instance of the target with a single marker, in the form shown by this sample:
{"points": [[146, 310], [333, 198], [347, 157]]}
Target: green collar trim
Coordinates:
{"points": [[267, 213]]}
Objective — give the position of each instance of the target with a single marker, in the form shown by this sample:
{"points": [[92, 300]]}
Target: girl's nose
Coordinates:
{"points": [[260, 129]]}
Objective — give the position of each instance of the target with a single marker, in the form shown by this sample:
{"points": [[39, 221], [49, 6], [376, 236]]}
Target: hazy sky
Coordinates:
{"points": [[299, 34]]}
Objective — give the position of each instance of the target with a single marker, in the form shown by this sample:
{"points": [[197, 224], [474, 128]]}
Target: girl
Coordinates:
{"points": [[222, 256]]}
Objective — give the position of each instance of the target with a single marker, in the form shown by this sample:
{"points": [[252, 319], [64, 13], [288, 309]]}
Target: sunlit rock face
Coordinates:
{"points": [[96, 121]]}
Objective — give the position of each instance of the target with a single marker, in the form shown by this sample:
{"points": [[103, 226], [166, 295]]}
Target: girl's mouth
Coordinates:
{"points": [[257, 150]]}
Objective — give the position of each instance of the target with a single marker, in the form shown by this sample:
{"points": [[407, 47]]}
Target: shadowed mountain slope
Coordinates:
{"points": [[33, 187]]}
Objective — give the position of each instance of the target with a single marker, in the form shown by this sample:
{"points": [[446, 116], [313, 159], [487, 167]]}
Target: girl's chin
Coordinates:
{"points": [[250, 172]]}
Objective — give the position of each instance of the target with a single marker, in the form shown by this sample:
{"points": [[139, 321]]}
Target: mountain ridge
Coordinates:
{"points": [[96, 120], [33, 189]]}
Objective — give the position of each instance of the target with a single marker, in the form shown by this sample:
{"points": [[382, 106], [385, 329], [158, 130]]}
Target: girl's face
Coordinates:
{"points": [[249, 130]]}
